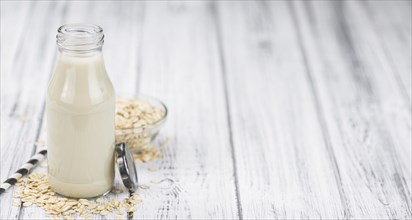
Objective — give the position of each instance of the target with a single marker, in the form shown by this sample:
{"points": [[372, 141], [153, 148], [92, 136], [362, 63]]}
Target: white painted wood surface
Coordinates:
{"points": [[278, 110]]}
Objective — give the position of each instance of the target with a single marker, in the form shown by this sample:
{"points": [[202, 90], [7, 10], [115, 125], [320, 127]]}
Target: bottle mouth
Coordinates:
{"points": [[80, 37]]}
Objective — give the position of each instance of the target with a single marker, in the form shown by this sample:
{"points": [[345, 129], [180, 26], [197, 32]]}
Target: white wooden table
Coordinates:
{"points": [[278, 110]]}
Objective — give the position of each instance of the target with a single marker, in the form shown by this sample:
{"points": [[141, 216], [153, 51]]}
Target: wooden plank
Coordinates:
{"points": [[180, 65], [10, 44], [366, 116], [12, 32], [392, 25], [284, 164], [27, 79]]}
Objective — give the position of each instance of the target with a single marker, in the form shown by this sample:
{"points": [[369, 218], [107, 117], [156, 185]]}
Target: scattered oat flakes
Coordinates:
{"points": [[130, 209], [40, 143], [166, 142], [24, 118], [116, 191], [25, 204], [16, 203], [104, 212], [148, 154], [155, 181], [35, 190], [118, 211], [152, 169], [144, 186]]}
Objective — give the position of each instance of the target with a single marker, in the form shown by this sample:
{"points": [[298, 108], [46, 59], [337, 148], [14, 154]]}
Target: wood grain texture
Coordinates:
{"points": [[181, 66], [365, 115], [394, 34], [27, 78], [277, 110], [277, 137]]}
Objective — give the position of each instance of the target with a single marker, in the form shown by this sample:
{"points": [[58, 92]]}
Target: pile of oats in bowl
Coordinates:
{"points": [[138, 121]]}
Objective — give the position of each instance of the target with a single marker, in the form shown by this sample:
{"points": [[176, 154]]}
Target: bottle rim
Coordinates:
{"points": [[80, 37]]}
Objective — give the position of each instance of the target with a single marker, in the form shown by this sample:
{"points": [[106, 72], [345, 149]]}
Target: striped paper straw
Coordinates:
{"points": [[23, 170]]}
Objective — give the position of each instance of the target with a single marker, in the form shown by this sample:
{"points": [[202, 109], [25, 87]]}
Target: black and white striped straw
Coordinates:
{"points": [[23, 170]]}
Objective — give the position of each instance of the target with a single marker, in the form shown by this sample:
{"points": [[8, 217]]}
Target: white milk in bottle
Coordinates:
{"points": [[80, 115]]}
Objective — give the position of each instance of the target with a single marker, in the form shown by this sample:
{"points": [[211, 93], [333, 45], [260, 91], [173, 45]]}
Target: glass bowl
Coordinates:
{"points": [[139, 137]]}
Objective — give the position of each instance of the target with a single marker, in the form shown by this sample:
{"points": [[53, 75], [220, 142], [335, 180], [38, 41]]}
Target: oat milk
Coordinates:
{"points": [[80, 119]]}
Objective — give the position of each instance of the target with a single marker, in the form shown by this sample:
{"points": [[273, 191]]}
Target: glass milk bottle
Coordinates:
{"points": [[80, 115]]}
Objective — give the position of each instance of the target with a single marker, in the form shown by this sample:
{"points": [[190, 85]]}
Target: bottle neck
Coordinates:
{"points": [[80, 53], [80, 39], [74, 59]]}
